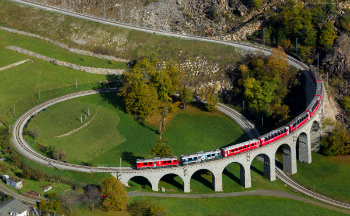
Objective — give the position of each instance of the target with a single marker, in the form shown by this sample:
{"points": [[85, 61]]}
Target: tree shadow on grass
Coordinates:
{"points": [[198, 105], [143, 124], [130, 157], [170, 179], [198, 177], [231, 176]]}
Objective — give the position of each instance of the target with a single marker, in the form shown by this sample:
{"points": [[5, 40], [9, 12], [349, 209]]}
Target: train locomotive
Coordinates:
{"points": [[228, 151]]}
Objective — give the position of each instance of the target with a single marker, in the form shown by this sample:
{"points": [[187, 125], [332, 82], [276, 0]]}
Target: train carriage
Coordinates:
{"points": [[200, 157], [157, 162], [299, 121], [274, 135], [242, 147]]}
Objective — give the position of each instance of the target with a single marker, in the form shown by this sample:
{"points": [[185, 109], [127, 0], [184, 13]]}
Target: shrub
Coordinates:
{"points": [[346, 103]]}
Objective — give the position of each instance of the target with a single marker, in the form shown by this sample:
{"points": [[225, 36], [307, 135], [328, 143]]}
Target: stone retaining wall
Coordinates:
{"points": [[69, 65], [64, 46], [15, 64]]}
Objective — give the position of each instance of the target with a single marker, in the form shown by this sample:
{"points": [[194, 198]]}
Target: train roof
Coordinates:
{"points": [[298, 117], [156, 159], [273, 131], [319, 88], [312, 102], [201, 153], [240, 144]]}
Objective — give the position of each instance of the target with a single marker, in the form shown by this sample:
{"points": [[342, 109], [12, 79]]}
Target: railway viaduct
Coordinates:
{"points": [[298, 140]]}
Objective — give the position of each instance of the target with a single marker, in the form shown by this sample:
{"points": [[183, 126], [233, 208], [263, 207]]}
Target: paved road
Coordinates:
{"points": [[275, 193]]}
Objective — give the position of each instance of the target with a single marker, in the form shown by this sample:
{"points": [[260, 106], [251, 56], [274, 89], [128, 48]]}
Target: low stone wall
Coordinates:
{"points": [[64, 46], [15, 64], [69, 65], [75, 130]]}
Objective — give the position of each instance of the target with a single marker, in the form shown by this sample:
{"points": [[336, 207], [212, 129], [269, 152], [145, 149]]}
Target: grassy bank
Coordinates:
{"points": [[330, 175], [50, 50]]}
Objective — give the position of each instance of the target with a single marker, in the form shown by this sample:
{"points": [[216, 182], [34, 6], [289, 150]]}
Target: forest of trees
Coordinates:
{"points": [[306, 23], [263, 83]]}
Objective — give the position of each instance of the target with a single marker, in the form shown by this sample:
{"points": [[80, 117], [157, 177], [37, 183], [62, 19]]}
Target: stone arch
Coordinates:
{"points": [[169, 178], [304, 148], [269, 166], [139, 180], [289, 158], [244, 174], [198, 176]]}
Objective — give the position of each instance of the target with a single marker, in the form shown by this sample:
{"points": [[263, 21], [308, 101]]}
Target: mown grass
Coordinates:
{"points": [[50, 50], [330, 175], [94, 139], [244, 205], [24, 81], [100, 140], [37, 186]]}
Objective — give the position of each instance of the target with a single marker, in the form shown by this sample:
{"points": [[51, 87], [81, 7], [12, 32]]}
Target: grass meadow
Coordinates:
{"points": [[113, 134], [330, 175], [244, 205]]}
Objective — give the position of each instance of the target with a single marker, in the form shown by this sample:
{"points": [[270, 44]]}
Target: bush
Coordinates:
{"points": [[346, 103], [51, 195], [336, 142], [145, 208]]}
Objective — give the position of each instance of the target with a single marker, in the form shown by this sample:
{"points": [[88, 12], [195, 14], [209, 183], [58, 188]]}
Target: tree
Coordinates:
{"points": [[42, 205], [161, 150], [115, 195], [138, 207], [336, 142], [186, 96], [257, 4], [278, 61], [328, 34], [346, 103], [92, 196], [140, 99], [211, 99], [69, 200], [212, 11], [38, 175], [280, 112]]}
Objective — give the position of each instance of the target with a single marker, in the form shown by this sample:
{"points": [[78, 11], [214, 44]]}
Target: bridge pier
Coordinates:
{"points": [[245, 177], [217, 181], [304, 148], [269, 167], [290, 159], [187, 184]]}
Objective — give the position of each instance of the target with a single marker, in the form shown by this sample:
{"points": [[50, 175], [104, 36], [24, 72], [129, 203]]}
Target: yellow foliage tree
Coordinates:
{"points": [[116, 198], [278, 61]]}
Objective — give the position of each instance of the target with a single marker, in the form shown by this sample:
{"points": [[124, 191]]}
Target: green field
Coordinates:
{"points": [[50, 50], [114, 134], [330, 175], [244, 205]]}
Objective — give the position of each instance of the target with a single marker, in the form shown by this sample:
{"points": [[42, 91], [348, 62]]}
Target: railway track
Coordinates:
{"points": [[32, 155]]}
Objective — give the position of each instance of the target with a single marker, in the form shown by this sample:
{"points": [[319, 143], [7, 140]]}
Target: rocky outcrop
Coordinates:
{"points": [[337, 61]]}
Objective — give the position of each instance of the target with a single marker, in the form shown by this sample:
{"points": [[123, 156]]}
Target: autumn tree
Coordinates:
{"points": [[278, 61], [280, 112], [211, 99], [115, 195], [328, 34], [161, 150], [336, 142]]}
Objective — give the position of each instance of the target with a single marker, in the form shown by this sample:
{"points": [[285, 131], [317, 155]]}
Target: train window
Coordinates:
{"points": [[240, 148], [150, 163], [251, 145], [169, 161], [144, 163]]}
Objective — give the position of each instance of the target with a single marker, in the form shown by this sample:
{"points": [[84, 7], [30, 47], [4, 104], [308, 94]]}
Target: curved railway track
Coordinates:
{"points": [[31, 154]]}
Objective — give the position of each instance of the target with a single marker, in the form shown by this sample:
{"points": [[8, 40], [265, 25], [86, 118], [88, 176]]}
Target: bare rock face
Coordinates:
{"points": [[337, 62]]}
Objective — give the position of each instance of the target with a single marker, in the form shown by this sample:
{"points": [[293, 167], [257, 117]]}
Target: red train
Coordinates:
{"points": [[157, 162]]}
